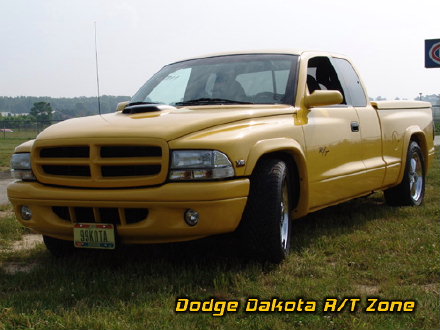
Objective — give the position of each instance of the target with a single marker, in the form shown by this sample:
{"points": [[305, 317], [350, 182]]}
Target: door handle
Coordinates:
{"points": [[355, 126]]}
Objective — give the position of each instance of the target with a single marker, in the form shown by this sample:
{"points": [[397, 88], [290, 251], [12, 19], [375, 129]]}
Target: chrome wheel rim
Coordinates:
{"points": [[415, 176], [284, 222]]}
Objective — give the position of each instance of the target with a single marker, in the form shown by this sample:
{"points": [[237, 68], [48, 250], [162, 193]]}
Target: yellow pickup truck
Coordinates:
{"points": [[237, 142]]}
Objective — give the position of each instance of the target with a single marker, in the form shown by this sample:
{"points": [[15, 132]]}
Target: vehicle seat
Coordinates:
{"points": [[228, 89], [312, 84], [323, 77], [327, 78]]}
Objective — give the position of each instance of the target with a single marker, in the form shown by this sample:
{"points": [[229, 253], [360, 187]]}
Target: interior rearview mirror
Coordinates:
{"points": [[322, 98]]}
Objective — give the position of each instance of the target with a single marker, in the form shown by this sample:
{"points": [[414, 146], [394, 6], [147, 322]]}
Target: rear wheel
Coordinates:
{"points": [[266, 225], [58, 247], [412, 188]]}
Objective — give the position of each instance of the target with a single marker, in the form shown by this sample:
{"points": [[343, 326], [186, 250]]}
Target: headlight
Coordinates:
{"points": [[199, 165], [21, 167]]}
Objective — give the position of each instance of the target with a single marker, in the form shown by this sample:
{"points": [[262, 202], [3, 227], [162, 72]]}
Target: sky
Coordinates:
{"points": [[48, 49]]}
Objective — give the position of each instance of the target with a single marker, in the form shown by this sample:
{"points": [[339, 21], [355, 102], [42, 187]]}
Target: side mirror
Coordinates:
{"points": [[121, 105], [321, 98]]}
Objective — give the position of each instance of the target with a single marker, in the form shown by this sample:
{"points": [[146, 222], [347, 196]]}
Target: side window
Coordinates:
{"points": [[321, 75], [171, 89], [352, 82]]}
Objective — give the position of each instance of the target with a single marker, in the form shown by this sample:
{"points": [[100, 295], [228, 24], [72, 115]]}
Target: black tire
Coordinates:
{"points": [[411, 190], [58, 247], [266, 226]]}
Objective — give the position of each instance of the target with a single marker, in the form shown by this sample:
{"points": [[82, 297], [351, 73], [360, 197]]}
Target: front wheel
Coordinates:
{"points": [[412, 188], [266, 225]]}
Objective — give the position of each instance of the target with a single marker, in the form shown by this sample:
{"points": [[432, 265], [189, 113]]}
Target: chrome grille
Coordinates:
{"points": [[101, 163]]}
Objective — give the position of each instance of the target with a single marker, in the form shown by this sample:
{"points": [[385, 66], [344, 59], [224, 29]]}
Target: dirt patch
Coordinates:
{"points": [[12, 268], [368, 289], [431, 287], [6, 214], [27, 242]]}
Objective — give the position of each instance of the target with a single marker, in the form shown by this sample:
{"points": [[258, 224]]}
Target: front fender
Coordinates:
{"points": [[295, 152], [24, 147]]}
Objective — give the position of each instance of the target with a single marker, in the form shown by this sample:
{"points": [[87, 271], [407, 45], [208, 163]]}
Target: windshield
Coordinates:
{"points": [[231, 79]]}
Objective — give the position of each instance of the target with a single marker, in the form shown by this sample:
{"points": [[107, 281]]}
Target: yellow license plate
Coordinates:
{"points": [[94, 235]]}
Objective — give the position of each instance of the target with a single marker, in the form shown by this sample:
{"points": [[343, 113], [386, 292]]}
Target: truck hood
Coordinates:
{"points": [[166, 124]]}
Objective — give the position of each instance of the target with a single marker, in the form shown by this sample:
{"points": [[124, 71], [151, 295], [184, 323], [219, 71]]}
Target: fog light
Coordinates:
{"points": [[191, 217], [26, 213]]}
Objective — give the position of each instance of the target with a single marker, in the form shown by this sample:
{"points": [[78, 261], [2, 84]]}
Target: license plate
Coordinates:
{"points": [[94, 235]]}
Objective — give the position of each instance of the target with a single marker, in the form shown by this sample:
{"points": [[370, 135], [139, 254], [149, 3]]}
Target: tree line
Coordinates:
{"points": [[50, 108], [46, 109]]}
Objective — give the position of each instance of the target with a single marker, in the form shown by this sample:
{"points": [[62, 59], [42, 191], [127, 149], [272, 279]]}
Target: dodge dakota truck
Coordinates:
{"points": [[240, 143]]}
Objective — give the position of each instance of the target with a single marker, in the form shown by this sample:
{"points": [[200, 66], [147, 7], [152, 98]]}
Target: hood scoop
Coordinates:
{"points": [[147, 107]]}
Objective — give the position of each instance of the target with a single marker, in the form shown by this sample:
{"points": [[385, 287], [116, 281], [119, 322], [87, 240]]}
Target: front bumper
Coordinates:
{"points": [[220, 205]]}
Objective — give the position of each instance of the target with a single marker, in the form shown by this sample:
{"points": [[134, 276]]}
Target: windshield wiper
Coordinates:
{"points": [[207, 100]]}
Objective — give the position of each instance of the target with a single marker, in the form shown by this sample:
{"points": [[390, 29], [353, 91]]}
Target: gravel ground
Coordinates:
{"points": [[5, 179]]}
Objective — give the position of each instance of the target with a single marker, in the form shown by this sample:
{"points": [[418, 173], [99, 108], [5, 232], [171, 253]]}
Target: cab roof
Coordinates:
{"points": [[267, 51]]}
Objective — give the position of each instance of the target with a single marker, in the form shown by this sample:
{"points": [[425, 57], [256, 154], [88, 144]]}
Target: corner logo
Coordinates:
{"points": [[434, 53]]}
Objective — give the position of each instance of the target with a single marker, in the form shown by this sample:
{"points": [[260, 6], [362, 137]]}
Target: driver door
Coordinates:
{"points": [[333, 142]]}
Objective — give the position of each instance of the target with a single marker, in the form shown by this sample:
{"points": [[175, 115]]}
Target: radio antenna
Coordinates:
{"points": [[97, 73]]}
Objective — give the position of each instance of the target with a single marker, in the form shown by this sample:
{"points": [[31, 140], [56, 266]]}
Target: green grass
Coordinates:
{"points": [[9, 140], [7, 147], [9, 231], [20, 133], [360, 248]]}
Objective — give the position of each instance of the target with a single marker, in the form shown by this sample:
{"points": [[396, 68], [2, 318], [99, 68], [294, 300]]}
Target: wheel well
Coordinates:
{"points": [[420, 139], [289, 159]]}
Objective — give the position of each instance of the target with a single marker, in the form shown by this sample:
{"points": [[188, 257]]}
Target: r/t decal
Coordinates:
{"points": [[323, 151]]}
